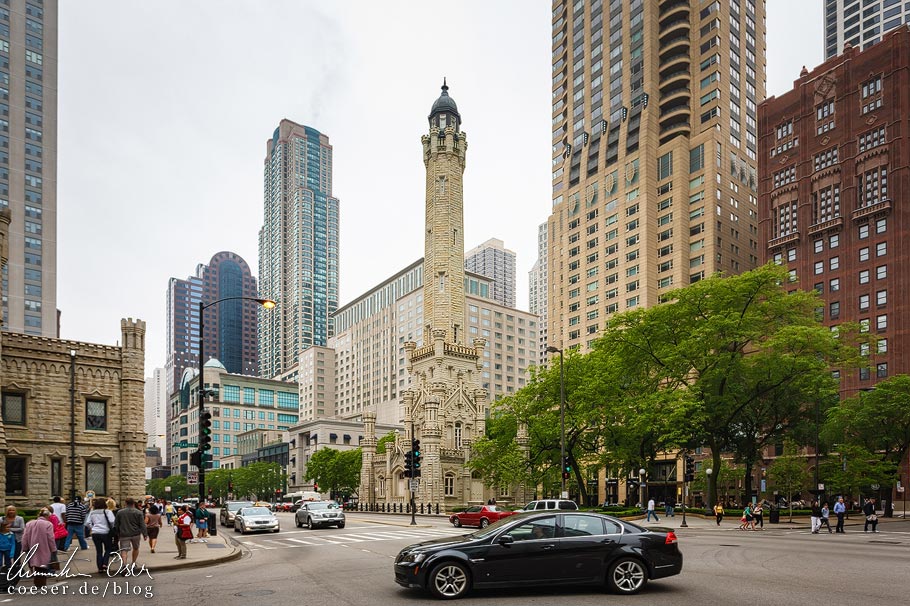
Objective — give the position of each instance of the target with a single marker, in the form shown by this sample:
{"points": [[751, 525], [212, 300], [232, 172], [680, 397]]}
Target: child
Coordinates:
{"points": [[7, 545]]}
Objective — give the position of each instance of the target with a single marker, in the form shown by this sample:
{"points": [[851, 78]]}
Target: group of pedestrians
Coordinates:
{"points": [[752, 515]]}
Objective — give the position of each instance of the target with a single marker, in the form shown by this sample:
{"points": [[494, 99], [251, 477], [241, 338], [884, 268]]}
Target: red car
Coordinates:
{"points": [[479, 515]]}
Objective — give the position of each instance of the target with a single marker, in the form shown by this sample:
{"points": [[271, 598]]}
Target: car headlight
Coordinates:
{"points": [[415, 556]]}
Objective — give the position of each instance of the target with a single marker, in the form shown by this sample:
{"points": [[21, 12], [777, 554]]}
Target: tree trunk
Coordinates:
{"points": [[747, 480]]}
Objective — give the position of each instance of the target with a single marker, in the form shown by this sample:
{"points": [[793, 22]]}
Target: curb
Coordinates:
{"points": [[235, 554]]}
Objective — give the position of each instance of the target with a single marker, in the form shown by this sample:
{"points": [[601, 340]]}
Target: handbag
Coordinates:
{"points": [[872, 518], [111, 529]]}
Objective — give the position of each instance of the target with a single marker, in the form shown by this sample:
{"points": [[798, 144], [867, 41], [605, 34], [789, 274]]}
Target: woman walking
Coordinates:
{"points": [[719, 513], [747, 519], [39, 535], [758, 516], [16, 526], [59, 530], [153, 524], [100, 522], [816, 517], [825, 514]]}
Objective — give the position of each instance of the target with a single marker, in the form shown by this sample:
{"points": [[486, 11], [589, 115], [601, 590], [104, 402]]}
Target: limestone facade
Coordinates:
{"points": [[107, 389]]}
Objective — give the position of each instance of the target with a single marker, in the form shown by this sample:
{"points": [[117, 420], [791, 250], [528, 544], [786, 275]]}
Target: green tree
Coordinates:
{"points": [[751, 357], [179, 489], [258, 481], [855, 468], [336, 470], [789, 474], [384, 441]]}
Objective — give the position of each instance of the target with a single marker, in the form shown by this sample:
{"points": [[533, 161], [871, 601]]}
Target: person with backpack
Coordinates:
{"points": [[100, 524], [183, 531]]}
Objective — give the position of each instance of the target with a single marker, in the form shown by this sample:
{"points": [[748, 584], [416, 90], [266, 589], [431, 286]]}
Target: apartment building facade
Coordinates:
{"points": [[654, 153]]}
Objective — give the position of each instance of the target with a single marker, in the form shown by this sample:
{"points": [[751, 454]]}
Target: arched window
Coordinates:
{"points": [[381, 486]]}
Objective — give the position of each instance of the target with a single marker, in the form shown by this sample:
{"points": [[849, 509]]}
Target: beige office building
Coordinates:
{"points": [[364, 367], [28, 163], [654, 153]]}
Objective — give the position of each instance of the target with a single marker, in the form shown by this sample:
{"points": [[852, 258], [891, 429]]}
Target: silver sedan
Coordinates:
{"points": [[251, 519], [314, 514]]}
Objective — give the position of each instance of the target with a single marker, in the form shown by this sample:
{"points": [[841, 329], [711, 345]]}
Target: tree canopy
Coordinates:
{"points": [[335, 470]]}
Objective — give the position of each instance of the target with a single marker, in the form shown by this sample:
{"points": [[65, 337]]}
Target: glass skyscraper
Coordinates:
{"points": [[861, 22], [298, 247], [28, 163]]}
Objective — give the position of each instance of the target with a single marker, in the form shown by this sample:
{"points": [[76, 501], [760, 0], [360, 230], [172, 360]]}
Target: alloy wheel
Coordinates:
{"points": [[628, 576], [450, 580]]}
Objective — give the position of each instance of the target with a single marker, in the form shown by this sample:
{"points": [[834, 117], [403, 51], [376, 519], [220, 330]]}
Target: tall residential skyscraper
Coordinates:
{"points": [[28, 163], [654, 152], [494, 260], [298, 246], [156, 410], [861, 22], [537, 290], [231, 328]]}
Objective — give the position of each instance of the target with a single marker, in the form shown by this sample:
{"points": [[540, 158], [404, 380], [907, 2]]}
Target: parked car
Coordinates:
{"points": [[230, 509], [479, 515], [552, 547], [251, 519], [563, 504], [314, 514]]}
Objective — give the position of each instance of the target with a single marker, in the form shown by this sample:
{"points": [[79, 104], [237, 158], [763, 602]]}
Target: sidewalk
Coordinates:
{"points": [[699, 521], [219, 549]]}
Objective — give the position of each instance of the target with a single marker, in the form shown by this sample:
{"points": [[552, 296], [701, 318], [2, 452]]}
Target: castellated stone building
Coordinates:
{"points": [[52, 387]]}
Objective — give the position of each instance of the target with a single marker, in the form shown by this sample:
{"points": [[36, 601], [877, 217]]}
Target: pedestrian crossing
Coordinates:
{"points": [[310, 538]]}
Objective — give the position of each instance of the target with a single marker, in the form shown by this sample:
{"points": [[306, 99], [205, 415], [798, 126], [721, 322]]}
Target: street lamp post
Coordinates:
{"points": [[72, 425], [562, 421], [641, 486], [268, 304], [709, 506]]}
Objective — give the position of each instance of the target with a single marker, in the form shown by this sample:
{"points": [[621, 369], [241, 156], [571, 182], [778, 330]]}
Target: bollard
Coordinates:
{"points": [[437, 508]]}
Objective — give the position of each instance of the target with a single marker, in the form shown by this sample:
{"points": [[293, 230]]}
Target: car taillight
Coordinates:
{"points": [[671, 538]]}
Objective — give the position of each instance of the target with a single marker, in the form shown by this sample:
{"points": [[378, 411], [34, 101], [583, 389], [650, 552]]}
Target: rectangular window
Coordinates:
{"points": [[96, 477], [57, 477], [231, 393], [14, 409], [881, 298], [16, 477], [96, 414]]}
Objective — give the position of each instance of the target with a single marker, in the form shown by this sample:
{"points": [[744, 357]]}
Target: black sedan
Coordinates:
{"points": [[542, 548]]}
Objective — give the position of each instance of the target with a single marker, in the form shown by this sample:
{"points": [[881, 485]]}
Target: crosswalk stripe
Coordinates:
{"points": [[301, 541]]}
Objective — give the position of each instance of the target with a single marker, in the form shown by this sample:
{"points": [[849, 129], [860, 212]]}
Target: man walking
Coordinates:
{"points": [[871, 518], [130, 523], [75, 518], [839, 510], [651, 511], [58, 508], [670, 507]]}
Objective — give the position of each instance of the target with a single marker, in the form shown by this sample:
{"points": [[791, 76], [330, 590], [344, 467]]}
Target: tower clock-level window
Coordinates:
{"points": [[449, 485], [442, 121]]}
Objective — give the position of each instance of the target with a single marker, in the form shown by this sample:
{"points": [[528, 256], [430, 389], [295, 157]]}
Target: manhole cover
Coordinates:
{"points": [[727, 545], [886, 542], [254, 593]]}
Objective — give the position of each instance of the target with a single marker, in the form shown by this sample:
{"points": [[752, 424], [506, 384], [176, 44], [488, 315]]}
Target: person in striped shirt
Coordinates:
{"points": [[75, 518]]}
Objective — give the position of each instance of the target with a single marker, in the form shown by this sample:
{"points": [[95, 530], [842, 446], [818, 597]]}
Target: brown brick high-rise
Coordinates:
{"points": [[834, 184]]}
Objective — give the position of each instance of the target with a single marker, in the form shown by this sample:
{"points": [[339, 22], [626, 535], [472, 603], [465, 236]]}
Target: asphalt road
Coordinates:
{"points": [[353, 566]]}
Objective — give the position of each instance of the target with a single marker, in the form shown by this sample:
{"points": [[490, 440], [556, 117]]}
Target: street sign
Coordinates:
{"points": [[167, 489], [185, 444], [415, 485], [192, 477], [821, 487], [564, 494]]}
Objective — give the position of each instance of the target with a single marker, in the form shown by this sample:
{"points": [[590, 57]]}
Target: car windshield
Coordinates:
{"points": [[238, 506], [322, 506], [255, 511], [492, 528]]}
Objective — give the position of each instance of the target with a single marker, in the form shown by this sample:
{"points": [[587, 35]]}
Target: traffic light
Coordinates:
{"points": [[196, 458], [415, 457], [566, 468], [408, 463], [205, 431], [690, 469]]}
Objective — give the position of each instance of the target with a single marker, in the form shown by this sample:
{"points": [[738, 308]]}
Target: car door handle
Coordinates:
{"points": [[549, 546], [608, 541]]}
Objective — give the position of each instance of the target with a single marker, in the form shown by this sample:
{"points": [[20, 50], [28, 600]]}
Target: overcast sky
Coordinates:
{"points": [[165, 108]]}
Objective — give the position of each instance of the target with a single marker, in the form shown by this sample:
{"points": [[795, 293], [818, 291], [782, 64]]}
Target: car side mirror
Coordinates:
{"points": [[505, 540]]}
